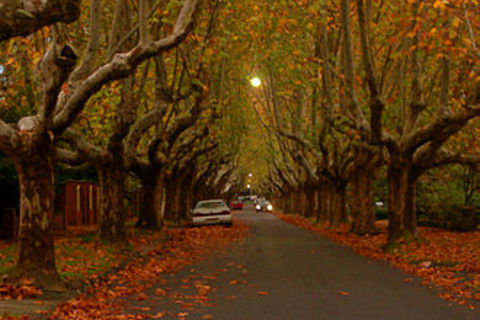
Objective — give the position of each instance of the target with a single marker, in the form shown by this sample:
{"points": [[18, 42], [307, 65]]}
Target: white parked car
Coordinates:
{"points": [[211, 212]]}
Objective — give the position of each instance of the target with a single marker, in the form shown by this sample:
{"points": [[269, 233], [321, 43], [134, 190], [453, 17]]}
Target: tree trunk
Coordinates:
{"points": [[362, 202], [36, 258], [151, 206], [328, 203], [298, 209], [338, 206], [303, 202], [170, 200], [410, 220], [189, 202], [178, 198], [111, 177], [310, 202], [323, 202], [401, 201], [181, 197]]}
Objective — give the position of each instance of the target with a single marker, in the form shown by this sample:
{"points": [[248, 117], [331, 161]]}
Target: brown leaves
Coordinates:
{"points": [[184, 247], [19, 291]]}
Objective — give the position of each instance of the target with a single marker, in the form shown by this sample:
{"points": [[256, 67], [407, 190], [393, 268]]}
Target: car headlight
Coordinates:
{"points": [[269, 207], [258, 207]]}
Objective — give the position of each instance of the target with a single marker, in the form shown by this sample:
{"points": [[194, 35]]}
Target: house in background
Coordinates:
{"points": [[77, 203]]}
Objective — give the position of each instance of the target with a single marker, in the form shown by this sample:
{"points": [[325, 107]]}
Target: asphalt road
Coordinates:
{"points": [[285, 272]]}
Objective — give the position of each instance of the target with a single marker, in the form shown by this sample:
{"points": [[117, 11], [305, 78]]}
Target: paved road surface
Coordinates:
{"points": [[301, 276]]}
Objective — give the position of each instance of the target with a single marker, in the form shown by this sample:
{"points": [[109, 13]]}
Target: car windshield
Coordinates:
{"points": [[210, 204]]}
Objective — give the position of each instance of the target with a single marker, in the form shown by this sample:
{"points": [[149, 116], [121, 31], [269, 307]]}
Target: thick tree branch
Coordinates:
{"points": [[139, 128], [351, 98], [8, 137], [123, 64], [68, 156], [88, 60], [312, 175], [54, 69], [376, 102], [445, 158], [85, 148], [22, 17], [440, 127]]}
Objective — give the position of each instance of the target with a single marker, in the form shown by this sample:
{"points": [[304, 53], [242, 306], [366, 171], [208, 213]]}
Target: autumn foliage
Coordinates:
{"points": [[107, 297], [444, 259]]}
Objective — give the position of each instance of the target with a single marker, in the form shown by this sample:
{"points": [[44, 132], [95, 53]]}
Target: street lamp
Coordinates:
{"points": [[256, 82]]}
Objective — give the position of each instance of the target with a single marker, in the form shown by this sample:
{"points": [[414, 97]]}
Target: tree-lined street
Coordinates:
{"points": [[357, 119], [280, 271]]}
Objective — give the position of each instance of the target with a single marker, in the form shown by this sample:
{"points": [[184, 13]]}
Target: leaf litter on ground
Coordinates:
{"points": [[184, 248]]}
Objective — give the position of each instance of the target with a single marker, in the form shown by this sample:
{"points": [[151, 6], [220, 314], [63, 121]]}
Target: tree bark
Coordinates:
{"points": [[310, 202], [362, 193], [22, 17], [111, 178], [323, 202], [185, 198], [338, 211], [401, 199], [151, 215], [35, 168], [170, 202]]}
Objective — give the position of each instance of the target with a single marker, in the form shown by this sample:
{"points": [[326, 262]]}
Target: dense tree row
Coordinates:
{"points": [[371, 84], [159, 90], [141, 94]]}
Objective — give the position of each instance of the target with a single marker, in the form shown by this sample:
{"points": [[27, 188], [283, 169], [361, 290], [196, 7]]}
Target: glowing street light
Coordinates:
{"points": [[256, 82]]}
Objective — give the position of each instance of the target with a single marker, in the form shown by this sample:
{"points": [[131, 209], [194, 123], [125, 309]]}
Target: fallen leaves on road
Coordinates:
{"points": [[445, 259], [343, 293], [262, 293], [184, 247]]}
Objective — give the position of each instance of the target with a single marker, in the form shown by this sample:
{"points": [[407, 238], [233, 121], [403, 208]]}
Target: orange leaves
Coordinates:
{"points": [[184, 247], [262, 293], [160, 292], [18, 292], [142, 296], [440, 4], [343, 293]]}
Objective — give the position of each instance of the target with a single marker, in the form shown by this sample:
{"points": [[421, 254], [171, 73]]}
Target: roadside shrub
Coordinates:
{"points": [[458, 218]]}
